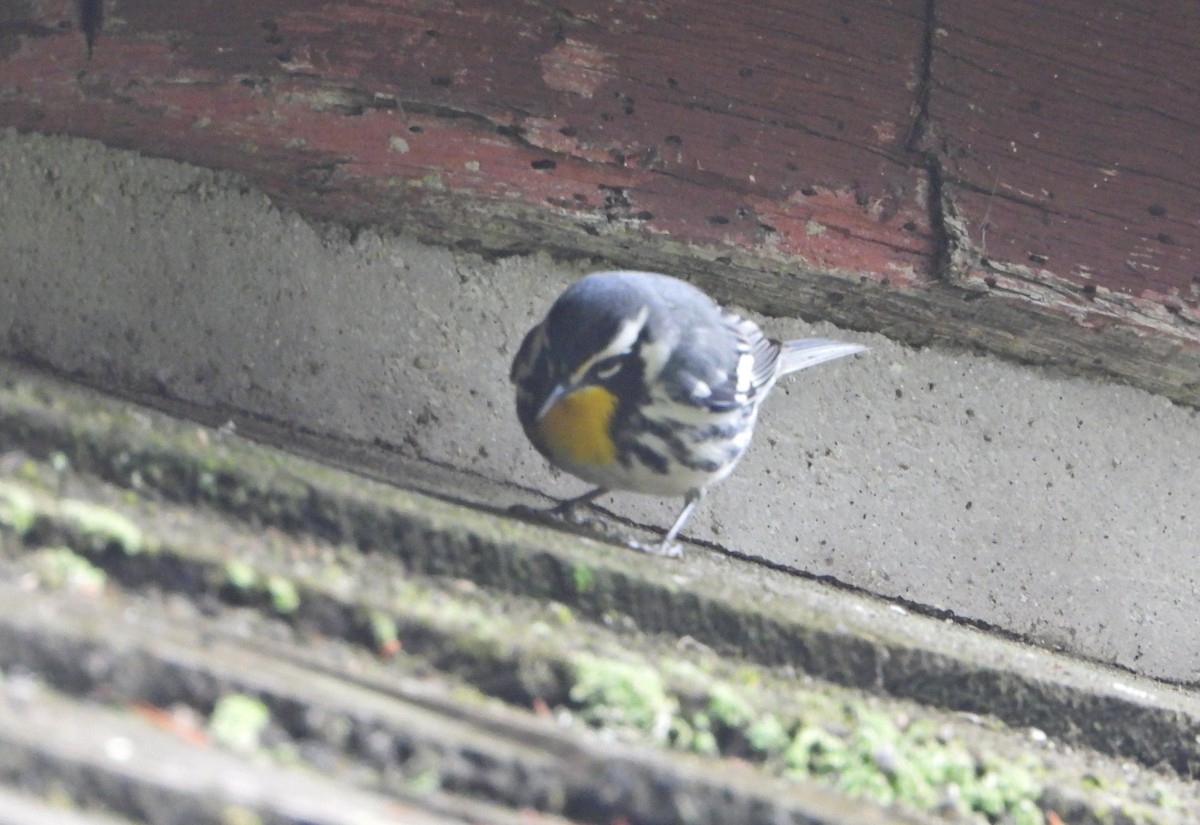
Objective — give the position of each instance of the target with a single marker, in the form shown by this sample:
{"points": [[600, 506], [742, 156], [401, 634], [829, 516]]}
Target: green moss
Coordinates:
{"points": [[1162, 797], [728, 706], [240, 575], [18, 508], [1000, 786], [383, 631], [425, 783], [814, 750], [29, 471], [237, 723], [694, 734], [60, 568], [767, 735], [285, 598], [878, 759], [617, 694], [104, 526], [584, 576], [560, 614]]}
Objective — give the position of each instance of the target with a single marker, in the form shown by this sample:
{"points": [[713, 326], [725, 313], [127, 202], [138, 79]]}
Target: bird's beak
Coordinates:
{"points": [[557, 394]]}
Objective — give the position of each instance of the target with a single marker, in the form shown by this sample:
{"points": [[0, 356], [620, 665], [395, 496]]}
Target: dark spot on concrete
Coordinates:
{"points": [[1038, 258], [1089, 290], [1157, 210], [543, 163], [808, 191], [644, 215], [1164, 238], [718, 219], [990, 280], [416, 130], [441, 81], [673, 140], [568, 131]]}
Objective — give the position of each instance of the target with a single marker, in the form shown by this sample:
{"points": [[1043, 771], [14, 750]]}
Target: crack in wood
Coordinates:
{"points": [[91, 21]]}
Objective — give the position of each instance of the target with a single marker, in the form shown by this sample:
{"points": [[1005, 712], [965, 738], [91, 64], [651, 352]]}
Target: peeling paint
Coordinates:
{"points": [[576, 67]]}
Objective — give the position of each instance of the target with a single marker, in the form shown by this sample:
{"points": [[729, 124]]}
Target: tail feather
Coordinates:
{"points": [[808, 352]]}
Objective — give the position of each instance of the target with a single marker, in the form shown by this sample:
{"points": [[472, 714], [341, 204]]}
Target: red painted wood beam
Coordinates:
{"points": [[1017, 177]]}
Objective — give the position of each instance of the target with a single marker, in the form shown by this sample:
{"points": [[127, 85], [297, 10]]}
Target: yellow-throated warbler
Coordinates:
{"points": [[639, 381]]}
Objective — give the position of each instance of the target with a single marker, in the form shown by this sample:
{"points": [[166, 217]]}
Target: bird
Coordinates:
{"points": [[641, 382]]}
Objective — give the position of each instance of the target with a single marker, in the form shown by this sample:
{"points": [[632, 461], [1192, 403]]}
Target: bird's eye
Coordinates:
{"points": [[607, 368]]}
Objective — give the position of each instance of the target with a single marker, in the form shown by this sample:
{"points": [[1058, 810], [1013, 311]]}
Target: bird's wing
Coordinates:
{"points": [[725, 366]]}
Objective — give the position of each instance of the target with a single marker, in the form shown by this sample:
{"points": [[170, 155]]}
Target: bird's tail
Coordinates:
{"points": [[808, 352]]}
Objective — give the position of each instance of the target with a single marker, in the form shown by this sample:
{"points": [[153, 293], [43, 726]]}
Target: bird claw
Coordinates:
{"points": [[562, 514], [664, 549], [558, 514]]}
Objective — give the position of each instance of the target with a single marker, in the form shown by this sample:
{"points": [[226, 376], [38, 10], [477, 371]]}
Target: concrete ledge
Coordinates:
{"points": [[767, 617]]}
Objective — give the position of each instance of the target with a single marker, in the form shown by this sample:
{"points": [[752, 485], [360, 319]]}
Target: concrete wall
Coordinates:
{"points": [[1056, 508]]}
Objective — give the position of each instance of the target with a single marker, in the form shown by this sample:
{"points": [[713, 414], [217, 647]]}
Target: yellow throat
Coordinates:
{"points": [[576, 428]]}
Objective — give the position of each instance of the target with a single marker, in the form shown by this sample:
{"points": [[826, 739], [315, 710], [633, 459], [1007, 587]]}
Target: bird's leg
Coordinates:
{"points": [[668, 546], [563, 511]]}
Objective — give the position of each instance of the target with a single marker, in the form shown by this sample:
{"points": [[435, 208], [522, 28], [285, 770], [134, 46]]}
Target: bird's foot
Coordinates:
{"points": [[665, 549], [564, 512], [568, 512]]}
